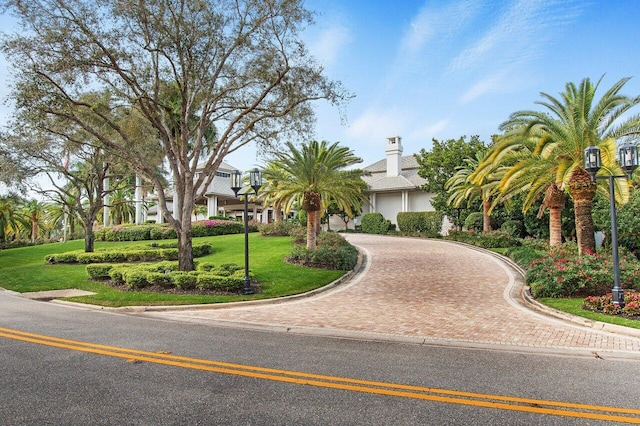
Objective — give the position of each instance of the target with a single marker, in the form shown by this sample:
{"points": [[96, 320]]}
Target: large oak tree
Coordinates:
{"points": [[185, 66]]}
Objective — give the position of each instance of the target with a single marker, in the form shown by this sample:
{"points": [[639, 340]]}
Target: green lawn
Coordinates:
{"points": [[574, 306], [24, 270]]}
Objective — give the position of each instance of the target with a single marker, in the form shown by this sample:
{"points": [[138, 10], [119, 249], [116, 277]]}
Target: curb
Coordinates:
{"points": [[526, 299]]}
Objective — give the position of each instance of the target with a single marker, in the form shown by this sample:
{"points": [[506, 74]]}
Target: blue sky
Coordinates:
{"points": [[447, 68]]}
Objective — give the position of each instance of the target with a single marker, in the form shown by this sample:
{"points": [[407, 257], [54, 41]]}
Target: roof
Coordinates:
{"points": [[408, 162], [378, 181]]}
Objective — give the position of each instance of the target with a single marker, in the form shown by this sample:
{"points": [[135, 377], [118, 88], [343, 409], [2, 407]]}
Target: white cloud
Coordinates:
{"points": [[374, 124], [329, 43], [486, 85]]}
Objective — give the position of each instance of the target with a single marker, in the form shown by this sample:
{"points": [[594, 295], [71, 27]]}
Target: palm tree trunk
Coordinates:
{"points": [[583, 190], [555, 226], [486, 219], [584, 226], [311, 229], [277, 212]]}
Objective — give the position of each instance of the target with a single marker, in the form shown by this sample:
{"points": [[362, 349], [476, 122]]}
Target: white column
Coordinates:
{"points": [[138, 200], [212, 206], [105, 201], [405, 201], [373, 203]]}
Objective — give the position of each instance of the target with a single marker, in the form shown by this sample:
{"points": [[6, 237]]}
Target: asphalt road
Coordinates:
{"points": [[139, 371]]}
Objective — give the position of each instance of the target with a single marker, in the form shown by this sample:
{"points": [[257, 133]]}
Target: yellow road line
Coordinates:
{"points": [[557, 408]]}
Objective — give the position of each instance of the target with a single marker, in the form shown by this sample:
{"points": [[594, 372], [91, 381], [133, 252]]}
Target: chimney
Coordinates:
{"points": [[394, 156]]}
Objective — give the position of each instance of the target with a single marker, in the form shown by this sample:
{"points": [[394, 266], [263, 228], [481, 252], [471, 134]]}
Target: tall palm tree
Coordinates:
{"points": [[313, 175], [570, 125], [121, 208]]}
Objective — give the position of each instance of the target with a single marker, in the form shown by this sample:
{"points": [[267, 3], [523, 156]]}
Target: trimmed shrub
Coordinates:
{"points": [[375, 223], [425, 223], [474, 222], [281, 229], [185, 280], [212, 281], [126, 255], [99, 270]]}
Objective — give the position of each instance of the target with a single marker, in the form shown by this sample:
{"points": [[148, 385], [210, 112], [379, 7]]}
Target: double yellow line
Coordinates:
{"points": [[565, 409]]}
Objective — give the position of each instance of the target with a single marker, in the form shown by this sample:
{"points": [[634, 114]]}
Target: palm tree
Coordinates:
{"points": [[570, 125], [511, 160], [200, 209], [313, 175], [36, 216], [463, 189], [121, 206], [10, 218]]}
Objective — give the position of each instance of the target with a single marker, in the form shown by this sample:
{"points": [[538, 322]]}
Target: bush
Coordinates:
{"points": [[208, 228], [126, 255], [332, 252], [492, 239], [375, 223], [212, 281], [513, 227], [228, 277], [604, 304], [426, 223], [99, 270], [474, 222], [562, 273], [280, 229]]}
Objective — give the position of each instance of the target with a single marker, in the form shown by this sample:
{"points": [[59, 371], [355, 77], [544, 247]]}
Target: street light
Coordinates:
{"points": [[628, 158], [255, 182]]}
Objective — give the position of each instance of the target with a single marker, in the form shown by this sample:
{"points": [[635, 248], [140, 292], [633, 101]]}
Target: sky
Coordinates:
{"points": [[424, 69]]}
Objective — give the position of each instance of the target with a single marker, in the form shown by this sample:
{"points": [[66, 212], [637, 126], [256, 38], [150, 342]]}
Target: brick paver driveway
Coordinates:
{"points": [[425, 291]]}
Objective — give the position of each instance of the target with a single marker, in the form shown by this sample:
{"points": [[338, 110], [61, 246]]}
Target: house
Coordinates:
{"points": [[394, 186], [220, 200]]}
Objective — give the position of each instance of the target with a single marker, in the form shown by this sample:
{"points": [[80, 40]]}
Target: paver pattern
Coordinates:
{"points": [[431, 289]]}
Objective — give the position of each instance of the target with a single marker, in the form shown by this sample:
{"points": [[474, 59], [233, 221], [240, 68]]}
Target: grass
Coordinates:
{"points": [[574, 306], [24, 270]]}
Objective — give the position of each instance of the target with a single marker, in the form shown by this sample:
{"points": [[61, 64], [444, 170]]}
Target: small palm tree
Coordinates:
{"points": [[465, 190], [570, 125], [36, 216], [315, 174]]}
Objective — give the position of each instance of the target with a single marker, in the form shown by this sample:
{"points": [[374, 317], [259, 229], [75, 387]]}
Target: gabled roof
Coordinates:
{"points": [[377, 180], [408, 162]]}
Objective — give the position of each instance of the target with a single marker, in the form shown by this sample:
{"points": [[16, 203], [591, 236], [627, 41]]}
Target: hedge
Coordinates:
{"points": [[163, 231], [428, 223], [225, 278], [375, 223], [127, 255]]}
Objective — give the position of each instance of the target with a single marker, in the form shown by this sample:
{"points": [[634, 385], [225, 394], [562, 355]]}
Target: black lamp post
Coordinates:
{"points": [[628, 158], [255, 182]]}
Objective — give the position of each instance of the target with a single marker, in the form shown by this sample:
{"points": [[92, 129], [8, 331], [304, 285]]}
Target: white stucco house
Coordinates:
{"points": [[220, 200], [394, 186]]}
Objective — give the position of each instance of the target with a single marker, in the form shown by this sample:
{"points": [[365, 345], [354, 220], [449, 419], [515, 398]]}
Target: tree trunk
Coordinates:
{"points": [[486, 219], [34, 229], [583, 190], [555, 226], [554, 199], [311, 229], [584, 226], [185, 243], [318, 223], [89, 236], [277, 212]]}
